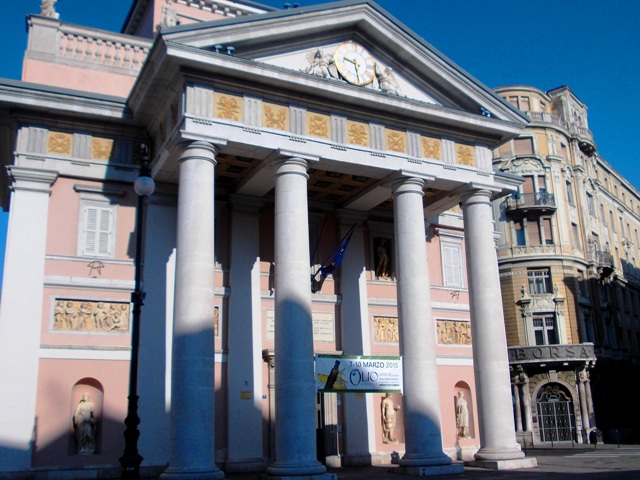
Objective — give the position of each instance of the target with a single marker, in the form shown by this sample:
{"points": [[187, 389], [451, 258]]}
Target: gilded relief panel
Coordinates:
{"points": [[396, 140], [465, 155], [101, 148], [452, 332], [431, 148], [86, 315], [358, 133], [275, 116], [318, 125], [385, 329], [227, 106], [59, 143]]}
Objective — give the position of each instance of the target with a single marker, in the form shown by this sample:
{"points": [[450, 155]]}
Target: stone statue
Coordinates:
{"points": [[382, 268], [47, 8], [462, 416], [319, 65], [387, 81], [169, 15], [84, 424], [389, 416]]}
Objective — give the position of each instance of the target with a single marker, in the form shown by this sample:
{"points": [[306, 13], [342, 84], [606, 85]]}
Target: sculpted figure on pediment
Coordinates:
{"points": [[387, 80], [320, 64], [169, 16]]}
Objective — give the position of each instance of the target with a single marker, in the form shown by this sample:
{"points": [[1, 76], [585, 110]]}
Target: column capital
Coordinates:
{"points": [[476, 195], [198, 150], [286, 165], [30, 179], [406, 184]]}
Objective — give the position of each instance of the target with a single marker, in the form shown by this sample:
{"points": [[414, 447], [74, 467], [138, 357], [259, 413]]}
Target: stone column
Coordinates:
{"points": [[584, 411], [423, 435], [193, 356], [498, 444], [515, 387], [587, 387], [21, 313], [359, 439], [526, 400], [244, 367], [294, 369]]}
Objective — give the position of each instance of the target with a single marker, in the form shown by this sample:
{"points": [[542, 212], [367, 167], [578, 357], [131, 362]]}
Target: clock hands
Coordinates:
{"points": [[355, 64]]}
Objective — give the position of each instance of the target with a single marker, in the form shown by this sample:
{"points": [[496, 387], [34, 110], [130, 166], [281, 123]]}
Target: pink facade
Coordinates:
{"points": [[173, 102]]}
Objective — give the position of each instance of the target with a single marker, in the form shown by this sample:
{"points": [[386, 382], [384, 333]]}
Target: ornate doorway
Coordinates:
{"points": [[555, 414]]}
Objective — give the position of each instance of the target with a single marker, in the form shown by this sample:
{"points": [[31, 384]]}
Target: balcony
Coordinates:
{"points": [[604, 264], [546, 118], [542, 202], [585, 139]]}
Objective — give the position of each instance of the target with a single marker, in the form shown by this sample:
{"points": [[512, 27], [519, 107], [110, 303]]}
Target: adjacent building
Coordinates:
{"points": [[271, 135], [568, 253]]}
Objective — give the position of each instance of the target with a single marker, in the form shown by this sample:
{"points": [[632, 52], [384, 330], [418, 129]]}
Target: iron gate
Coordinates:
{"points": [[556, 421]]}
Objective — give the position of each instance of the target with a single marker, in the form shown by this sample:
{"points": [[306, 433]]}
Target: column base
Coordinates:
{"points": [[528, 462], [313, 470], [430, 471], [191, 474]]}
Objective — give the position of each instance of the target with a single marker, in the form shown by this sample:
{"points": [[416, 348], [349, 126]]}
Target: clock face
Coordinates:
{"points": [[354, 63]]}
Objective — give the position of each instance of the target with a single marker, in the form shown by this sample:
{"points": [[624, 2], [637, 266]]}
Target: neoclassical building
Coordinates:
{"points": [[270, 135], [568, 256]]}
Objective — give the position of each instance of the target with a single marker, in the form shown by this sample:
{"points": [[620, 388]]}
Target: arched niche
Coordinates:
{"points": [[87, 400]]}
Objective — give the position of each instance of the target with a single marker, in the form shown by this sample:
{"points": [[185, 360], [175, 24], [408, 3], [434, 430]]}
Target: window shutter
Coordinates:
{"points": [[452, 265], [97, 231]]}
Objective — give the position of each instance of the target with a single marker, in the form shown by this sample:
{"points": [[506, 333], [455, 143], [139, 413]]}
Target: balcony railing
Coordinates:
{"points": [[540, 200], [547, 118]]}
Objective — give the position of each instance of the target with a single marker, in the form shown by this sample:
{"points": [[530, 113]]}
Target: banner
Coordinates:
{"points": [[352, 373]]}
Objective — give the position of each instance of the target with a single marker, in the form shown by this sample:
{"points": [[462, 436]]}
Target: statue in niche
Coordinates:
{"points": [[48, 8], [387, 81], [462, 416], [382, 264], [169, 15], [389, 416], [84, 424]]}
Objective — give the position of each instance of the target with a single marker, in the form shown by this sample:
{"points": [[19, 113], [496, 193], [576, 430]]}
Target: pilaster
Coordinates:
{"points": [[21, 314]]}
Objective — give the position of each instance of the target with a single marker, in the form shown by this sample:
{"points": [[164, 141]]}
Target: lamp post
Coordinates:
{"points": [[131, 459]]}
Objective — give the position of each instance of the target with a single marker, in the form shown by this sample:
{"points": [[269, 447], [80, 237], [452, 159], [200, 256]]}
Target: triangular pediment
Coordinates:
{"points": [[404, 65]]}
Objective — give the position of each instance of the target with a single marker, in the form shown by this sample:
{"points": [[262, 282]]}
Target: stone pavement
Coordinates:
{"points": [[581, 462]]}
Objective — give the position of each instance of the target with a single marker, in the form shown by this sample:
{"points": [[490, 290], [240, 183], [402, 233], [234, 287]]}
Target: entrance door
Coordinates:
{"points": [[555, 415]]}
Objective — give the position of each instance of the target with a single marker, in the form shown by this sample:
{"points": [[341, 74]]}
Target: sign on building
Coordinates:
{"points": [[353, 373]]}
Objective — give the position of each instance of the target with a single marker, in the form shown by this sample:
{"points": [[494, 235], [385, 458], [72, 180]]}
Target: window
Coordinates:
{"points": [[576, 236], [570, 198], [563, 151], [539, 281], [513, 101], [583, 287], [525, 104], [544, 328], [613, 221], [547, 234], [452, 264], [591, 205], [603, 216], [96, 230], [521, 239], [523, 146], [533, 232]]}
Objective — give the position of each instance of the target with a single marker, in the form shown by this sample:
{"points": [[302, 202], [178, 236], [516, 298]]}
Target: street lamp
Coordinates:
{"points": [[131, 459]]}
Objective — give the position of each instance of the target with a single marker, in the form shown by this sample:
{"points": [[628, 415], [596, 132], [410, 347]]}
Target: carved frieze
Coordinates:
{"points": [[86, 315], [385, 329], [431, 148], [451, 332], [318, 125], [358, 133], [101, 148], [59, 143], [228, 107], [464, 155], [396, 141], [275, 116]]}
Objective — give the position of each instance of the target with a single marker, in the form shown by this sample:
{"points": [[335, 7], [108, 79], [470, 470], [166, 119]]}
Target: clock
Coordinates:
{"points": [[354, 63]]}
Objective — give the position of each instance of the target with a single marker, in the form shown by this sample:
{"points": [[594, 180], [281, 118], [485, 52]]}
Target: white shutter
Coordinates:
{"points": [[452, 265], [97, 231]]}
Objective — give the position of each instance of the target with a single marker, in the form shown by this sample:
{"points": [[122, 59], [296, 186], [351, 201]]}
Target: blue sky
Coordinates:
{"points": [[588, 45]]}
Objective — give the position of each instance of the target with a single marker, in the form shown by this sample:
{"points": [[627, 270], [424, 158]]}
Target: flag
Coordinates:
{"points": [[332, 262]]}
